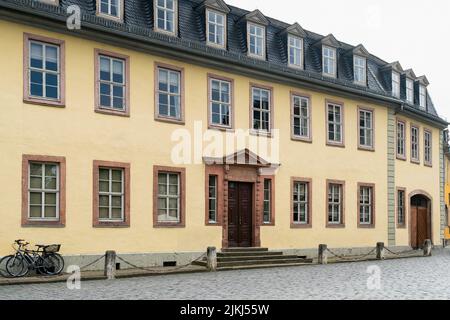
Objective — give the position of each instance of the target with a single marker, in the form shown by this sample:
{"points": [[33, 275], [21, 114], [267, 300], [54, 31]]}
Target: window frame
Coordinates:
{"points": [[371, 187], [396, 93], [211, 125], [225, 27], [334, 60], [364, 80], [175, 19], [307, 97], [27, 97], [264, 40], [103, 223], [216, 171], [98, 53], [372, 129], [270, 200], [405, 208], [342, 204], [162, 118], [301, 48], [422, 93], [61, 202], [120, 11], [340, 144], [182, 197], [259, 132], [309, 183], [413, 159], [427, 132], [216, 198], [410, 96], [400, 156]]}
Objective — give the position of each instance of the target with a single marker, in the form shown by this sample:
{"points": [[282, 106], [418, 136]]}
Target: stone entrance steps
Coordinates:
{"points": [[248, 258]]}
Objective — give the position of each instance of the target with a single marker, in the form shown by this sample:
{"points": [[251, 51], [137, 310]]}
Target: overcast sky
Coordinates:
{"points": [[410, 31]]}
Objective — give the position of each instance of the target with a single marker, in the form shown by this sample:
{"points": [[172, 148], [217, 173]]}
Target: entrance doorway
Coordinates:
{"points": [[240, 212], [420, 220]]}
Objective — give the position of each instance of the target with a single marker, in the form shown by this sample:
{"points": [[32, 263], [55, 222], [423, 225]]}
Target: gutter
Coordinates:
{"points": [[33, 14]]}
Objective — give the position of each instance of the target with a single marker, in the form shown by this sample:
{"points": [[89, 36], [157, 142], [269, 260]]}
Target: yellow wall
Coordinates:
{"points": [[82, 136]]}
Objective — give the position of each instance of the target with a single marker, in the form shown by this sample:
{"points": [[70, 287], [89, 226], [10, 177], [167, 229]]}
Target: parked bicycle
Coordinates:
{"points": [[45, 260]]}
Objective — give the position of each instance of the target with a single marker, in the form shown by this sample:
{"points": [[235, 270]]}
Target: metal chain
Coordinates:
{"points": [[156, 269], [360, 256], [401, 252], [90, 264]]}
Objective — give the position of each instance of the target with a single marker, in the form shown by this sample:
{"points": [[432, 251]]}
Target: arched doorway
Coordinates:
{"points": [[420, 204]]}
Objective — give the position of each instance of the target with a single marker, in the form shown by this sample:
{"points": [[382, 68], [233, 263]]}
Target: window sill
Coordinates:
{"points": [[364, 148], [428, 165], [415, 162], [401, 158], [45, 102], [112, 112], [221, 128], [301, 139], [335, 144], [110, 17], [43, 224], [106, 224], [300, 226], [268, 224], [260, 133], [335, 226], [170, 120], [401, 226], [366, 226], [169, 225], [213, 224]]}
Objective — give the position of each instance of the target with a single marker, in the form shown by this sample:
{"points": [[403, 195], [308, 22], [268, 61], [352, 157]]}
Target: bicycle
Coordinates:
{"points": [[45, 260]]}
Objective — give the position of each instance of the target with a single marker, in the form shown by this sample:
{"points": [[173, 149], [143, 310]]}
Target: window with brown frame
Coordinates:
{"points": [[220, 96], [401, 207], [169, 197], [301, 117], [415, 144], [366, 196], [43, 191], [301, 203], [267, 201], [261, 109], [213, 199], [169, 93], [335, 124], [112, 88], [111, 198], [366, 129], [44, 70], [335, 204]]}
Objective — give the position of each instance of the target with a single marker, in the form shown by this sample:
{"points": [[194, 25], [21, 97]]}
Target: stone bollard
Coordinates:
{"points": [[427, 248], [211, 259], [323, 256], [110, 265], [380, 251]]}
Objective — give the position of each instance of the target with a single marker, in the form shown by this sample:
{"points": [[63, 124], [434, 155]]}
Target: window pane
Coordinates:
{"points": [[50, 198], [103, 213], [35, 183], [35, 198], [35, 212], [50, 212], [104, 201]]}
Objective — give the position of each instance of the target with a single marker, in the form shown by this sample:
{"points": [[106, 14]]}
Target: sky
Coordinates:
{"points": [[413, 32]]}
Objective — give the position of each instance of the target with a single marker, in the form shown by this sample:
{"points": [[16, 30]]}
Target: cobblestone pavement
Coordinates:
{"points": [[414, 278]]}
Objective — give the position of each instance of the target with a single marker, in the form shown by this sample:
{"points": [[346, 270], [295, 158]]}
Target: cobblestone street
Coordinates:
{"points": [[415, 278]]}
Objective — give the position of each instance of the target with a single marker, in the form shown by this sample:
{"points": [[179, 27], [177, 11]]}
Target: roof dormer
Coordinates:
{"points": [[256, 24], [294, 36], [421, 85], [407, 84], [393, 73], [360, 55], [329, 46], [216, 26]]}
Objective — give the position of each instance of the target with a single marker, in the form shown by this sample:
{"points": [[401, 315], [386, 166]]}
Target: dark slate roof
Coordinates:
{"points": [[138, 16]]}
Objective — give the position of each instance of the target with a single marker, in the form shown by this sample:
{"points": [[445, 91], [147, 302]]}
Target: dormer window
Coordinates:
{"points": [[422, 97], [295, 51], [216, 28], [360, 70], [329, 61], [110, 8], [166, 16], [256, 40], [396, 84], [409, 91]]}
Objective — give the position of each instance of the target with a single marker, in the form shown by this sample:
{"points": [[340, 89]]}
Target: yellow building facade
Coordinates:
{"points": [[87, 140]]}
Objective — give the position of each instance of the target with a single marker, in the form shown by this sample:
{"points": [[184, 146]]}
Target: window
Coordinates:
{"points": [[112, 92], [267, 205], [360, 70], [415, 144], [301, 118], [396, 84], [261, 109], [335, 124], [111, 194], [329, 61], [301, 202], [295, 51], [169, 197], [410, 91], [43, 72], [111, 8], [422, 97], [335, 205], [43, 191], [366, 205], [401, 147], [216, 28], [401, 208], [427, 148], [220, 103], [256, 41], [212, 199], [169, 94], [366, 129], [166, 15]]}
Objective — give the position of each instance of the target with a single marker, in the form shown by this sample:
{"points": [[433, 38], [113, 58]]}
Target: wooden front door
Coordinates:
{"points": [[420, 222], [240, 209]]}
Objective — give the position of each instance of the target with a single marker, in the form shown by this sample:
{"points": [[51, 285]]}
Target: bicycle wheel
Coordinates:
{"points": [[53, 264], [17, 266], [3, 272]]}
